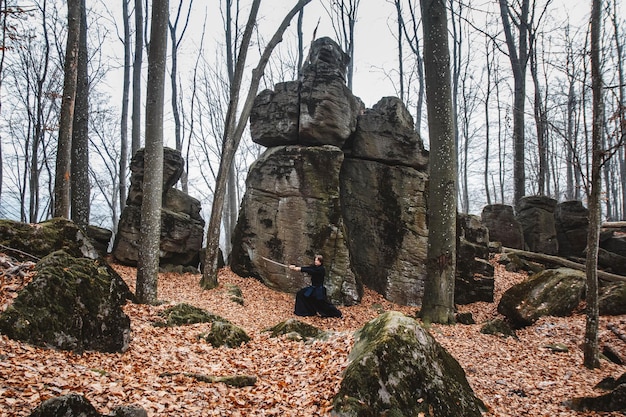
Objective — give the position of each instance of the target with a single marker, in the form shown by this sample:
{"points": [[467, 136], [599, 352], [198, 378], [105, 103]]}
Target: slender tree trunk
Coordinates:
{"points": [[234, 130], [438, 302], [80, 187], [590, 349], [400, 54], [64, 148], [150, 233], [518, 59], [124, 116], [619, 46], [487, 127], [137, 63]]}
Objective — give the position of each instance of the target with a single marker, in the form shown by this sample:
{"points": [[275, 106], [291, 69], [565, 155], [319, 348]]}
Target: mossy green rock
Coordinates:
{"points": [[71, 304], [396, 368], [225, 334], [612, 300], [291, 326], [66, 405], [183, 313], [553, 292], [41, 239]]}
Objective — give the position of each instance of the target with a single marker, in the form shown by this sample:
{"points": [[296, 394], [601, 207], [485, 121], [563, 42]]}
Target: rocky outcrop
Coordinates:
{"points": [[182, 227], [553, 292], [71, 304], [536, 215], [474, 274], [397, 368], [339, 180], [31, 242], [503, 226], [572, 222]]}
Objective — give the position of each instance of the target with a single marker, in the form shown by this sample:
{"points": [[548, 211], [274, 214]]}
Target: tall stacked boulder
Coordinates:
{"points": [[572, 223], [503, 226], [536, 215], [182, 227], [336, 179]]}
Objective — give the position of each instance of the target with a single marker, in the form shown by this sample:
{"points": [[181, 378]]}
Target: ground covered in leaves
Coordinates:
{"points": [[514, 377]]}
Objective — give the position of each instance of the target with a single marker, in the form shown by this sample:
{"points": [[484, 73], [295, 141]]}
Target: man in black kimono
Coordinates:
{"points": [[312, 300]]}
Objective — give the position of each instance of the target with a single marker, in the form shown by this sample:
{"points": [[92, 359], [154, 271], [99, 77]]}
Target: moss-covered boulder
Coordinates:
{"points": [[183, 313], [41, 239], [498, 327], [71, 405], [225, 334], [71, 304], [612, 300], [396, 368], [292, 327], [553, 292], [75, 405]]}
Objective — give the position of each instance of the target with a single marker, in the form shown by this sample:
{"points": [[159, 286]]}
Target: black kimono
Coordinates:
{"points": [[312, 300]]}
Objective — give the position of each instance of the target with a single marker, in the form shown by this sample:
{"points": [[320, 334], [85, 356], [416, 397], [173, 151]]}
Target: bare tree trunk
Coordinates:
{"points": [[150, 233], [234, 130], [81, 190], [400, 23], [138, 61], [413, 41], [590, 349], [64, 148], [438, 301], [518, 59], [619, 46], [124, 116], [489, 64]]}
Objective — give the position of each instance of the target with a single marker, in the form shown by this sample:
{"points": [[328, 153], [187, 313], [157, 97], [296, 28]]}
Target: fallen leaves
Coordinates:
{"points": [[159, 371]]}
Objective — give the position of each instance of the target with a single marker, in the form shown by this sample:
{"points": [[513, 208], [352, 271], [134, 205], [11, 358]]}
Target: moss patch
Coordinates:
{"points": [[183, 313], [293, 326]]}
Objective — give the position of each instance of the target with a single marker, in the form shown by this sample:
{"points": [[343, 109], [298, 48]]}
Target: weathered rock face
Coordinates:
{"points": [[274, 115], [553, 292], [100, 237], [386, 133], [503, 226], [71, 304], [474, 274], [182, 228], [536, 215], [291, 211], [384, 209], [328, 109], [612, 242], [571, 221], [397, 368]]}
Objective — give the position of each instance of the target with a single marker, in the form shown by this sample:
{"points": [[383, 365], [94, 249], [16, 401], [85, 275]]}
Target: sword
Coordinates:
{"points": [[274, 262]]}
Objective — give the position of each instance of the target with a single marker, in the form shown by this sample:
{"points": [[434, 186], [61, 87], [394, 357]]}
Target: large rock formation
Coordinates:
{"points": [[396, 368], [474, 274], [182, 227], [289, 213], [572, 222], [503, 226], [536, 215], [347, 186]]}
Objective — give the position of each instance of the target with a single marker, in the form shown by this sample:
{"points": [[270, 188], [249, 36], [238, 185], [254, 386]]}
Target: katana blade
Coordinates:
{"points": [[274, 262]]}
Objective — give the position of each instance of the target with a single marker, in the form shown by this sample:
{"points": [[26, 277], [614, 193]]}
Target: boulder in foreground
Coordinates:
{"points": [[396, 368]]}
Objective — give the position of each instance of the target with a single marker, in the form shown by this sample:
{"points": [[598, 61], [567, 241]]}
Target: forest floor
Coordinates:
{"points": [[514, 377]]}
